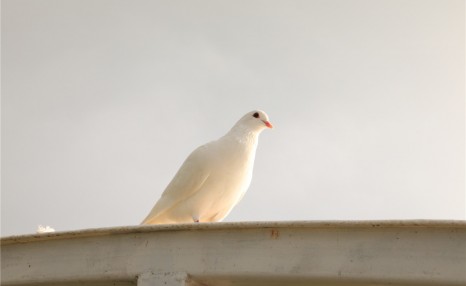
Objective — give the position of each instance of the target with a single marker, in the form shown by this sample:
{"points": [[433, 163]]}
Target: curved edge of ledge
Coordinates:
{"points": [[93, 232]]}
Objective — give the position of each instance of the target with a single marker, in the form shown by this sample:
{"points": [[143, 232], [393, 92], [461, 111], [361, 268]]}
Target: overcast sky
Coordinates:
{"points": [[103, 100]]}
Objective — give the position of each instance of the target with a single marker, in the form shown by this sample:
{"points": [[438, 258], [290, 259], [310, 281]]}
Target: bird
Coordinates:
{"points": [[213, 178]]}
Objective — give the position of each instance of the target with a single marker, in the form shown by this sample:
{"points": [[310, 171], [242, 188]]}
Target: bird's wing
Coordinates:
{"points": [[187, 181]]}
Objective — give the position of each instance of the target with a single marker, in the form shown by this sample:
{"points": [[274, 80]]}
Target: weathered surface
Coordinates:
{"points": [[291, 253]]}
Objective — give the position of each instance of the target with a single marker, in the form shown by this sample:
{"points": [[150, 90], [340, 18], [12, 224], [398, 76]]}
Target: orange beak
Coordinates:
{"points": [[268, 124]]}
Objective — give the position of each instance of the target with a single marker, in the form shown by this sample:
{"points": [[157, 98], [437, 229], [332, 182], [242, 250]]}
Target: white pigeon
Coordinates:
{"points": [[214, 177]]}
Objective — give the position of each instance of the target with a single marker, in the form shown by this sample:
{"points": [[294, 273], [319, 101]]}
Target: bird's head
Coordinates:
{"points": [[256, 120]]}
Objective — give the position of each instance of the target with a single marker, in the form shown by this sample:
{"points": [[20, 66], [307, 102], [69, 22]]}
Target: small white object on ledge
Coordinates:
{"points": [[44, 229]]}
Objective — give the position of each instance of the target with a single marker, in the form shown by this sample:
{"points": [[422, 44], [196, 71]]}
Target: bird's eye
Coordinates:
{"points": [[256, 115]]}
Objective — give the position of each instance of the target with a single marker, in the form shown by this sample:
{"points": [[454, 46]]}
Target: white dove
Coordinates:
{"points": [[214, 177]]}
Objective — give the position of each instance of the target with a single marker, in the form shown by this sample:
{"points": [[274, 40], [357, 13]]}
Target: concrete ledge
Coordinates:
{"points": [[417, 252]]}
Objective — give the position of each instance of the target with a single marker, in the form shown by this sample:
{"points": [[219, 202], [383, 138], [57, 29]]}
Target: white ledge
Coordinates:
{"points": [[409, 252], [232, 226]]}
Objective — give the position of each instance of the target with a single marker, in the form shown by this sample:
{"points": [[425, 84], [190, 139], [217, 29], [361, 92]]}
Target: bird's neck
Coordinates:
{"points": [[243, 134]]}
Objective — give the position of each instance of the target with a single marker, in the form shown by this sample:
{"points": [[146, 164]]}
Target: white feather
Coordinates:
{"points": [[44, 229]]}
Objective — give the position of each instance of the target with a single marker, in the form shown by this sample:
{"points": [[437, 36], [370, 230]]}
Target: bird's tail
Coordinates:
{"points": [[155, 220]]}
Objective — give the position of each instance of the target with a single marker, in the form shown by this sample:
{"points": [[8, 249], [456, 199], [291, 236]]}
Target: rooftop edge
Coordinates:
{"points": [[93, 232]]}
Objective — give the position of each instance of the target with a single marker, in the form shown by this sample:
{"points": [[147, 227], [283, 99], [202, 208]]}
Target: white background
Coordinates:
{"points": [[103, 100]]}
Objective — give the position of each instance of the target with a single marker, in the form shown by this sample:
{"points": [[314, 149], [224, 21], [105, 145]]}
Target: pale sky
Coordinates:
{"points": [[103, 100]]}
